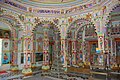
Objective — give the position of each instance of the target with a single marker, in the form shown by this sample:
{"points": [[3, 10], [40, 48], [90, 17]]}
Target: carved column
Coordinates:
{"points": [[74, 51], [57, 48], [28, 49], [101, 39], [33, 52], [14, 66], [63, 53], [27, 56], [45, 65]]}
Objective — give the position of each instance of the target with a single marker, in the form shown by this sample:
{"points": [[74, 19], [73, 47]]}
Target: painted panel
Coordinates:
{"points": [[6, 58], [39, 43], [6, 51]]}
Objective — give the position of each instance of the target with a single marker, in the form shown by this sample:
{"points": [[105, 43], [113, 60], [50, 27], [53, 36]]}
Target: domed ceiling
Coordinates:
{"points": [[53, 3]]}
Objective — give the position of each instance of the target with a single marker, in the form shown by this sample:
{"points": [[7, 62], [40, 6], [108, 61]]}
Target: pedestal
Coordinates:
{"points": [[33, 65], [45, 67], [14, 68], [27, 71]]}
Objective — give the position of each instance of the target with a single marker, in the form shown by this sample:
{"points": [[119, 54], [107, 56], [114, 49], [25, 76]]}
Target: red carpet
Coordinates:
{"points": [[3, 72]]}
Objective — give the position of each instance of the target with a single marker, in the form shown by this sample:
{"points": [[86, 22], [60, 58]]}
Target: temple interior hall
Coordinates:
{"points": [[59, 39]]}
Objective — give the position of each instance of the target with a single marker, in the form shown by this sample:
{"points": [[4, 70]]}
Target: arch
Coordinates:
{"points": [[11, 27], [80, 22], [80, 33], [112, 31], [114, 6], [11, 22], [6, 22], [14, 18], [7, 19], [110, 9], [44, 22], [47, 39]]}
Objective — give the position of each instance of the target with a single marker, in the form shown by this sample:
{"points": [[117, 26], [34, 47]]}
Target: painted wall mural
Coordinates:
{"points": [[6, 56]]}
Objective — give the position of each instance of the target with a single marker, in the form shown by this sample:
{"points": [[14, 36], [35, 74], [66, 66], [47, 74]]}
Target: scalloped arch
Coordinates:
{"points": [[43, 22], [6, 22], [110, 10], [9, 25], [86, 20], [76, 21], [14, 18]]}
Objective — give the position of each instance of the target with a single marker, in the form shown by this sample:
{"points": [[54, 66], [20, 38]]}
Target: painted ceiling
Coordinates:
{"points": [[53, 3]]}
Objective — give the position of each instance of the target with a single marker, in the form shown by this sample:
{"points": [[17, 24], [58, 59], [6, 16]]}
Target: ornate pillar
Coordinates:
{"points": [[33, 65], [45, 65], [101, 41], [63, 53], [28, 49], [14, 66], [99, 26], [74, 51], [57, 45], [73, 40], [27, 57]]}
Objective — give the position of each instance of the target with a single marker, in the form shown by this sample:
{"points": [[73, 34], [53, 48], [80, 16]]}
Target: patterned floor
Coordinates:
{"points": [[38, 77]]}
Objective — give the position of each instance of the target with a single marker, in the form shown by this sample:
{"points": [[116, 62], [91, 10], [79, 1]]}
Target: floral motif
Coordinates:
{"points": [[37, 20], [56, 21], [70, 19]]}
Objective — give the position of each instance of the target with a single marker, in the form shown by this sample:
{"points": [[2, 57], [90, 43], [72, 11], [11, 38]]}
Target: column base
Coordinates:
{"points": [[27, 71], [33, 65], [65, 69], [14, 68], [45, 67]]}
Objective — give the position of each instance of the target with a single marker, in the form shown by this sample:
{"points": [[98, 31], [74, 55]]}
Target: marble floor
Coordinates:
{"points": [[37, 77], [69, 76]]}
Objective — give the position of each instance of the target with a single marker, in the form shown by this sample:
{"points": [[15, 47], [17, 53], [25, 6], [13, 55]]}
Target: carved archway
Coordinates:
{"points": [[15, 28], [79, 34], [113, 33], [48, 35]]}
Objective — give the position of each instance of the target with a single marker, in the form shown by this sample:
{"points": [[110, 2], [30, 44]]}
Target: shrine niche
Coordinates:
{"points": [[113, 32], [81, 34], [5, 38], [9, 34], [46, 42]]}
